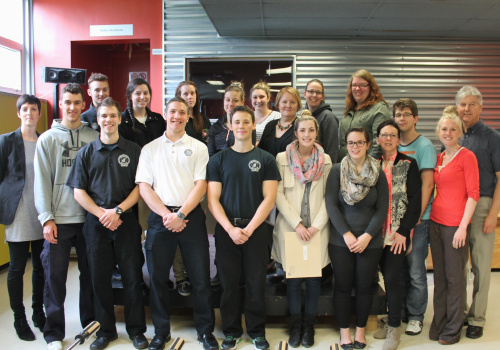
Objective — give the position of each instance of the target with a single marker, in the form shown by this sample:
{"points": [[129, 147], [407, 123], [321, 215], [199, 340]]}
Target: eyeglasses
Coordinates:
{"points": [[405, 115], [314, 92], [361, 86], [357, 143], [386, 136]]}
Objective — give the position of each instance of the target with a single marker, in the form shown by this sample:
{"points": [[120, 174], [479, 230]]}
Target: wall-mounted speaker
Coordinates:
{"points": [[64, 75]]}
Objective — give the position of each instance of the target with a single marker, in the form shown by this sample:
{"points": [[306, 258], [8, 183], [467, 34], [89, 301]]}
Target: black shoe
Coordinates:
{"points": [[23, 329], [347, 346], [295, 322], [184, 288], [359, 345], [474, 332], [102, 343], [308, 335], [139, 341], [208, 341], [39, 320], [158, 342]]}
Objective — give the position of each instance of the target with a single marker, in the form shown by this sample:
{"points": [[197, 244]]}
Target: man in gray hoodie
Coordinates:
{"points": [[61, 216]]}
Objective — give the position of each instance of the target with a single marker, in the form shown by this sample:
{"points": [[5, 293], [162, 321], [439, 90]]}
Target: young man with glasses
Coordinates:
{"points": [[414, 271]]}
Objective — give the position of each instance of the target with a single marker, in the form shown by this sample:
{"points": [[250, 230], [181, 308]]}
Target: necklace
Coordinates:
{"points": [[451, 154], [283, 128]]}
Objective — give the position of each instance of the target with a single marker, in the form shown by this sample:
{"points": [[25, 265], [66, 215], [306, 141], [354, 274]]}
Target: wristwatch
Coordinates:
{"points": [[119, 210], [181, 215]]}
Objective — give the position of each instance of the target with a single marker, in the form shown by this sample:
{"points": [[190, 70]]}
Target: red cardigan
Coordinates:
{"points": [[455, 183]]}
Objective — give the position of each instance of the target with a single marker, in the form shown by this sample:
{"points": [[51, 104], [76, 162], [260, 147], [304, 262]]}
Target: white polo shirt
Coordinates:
{"points": [[172, 168]]}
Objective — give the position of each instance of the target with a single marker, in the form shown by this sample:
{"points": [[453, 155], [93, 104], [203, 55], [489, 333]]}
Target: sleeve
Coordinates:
{"points": [[381, 114], [321, 218], [272, 172], [332, 201], [285, 208], [213, 168], [211, 141], [471, 173], [4, 154], [428, 157], [264, 140], [79, 176], [381, 207], [44, 181], [414, 194], [200, 170], [330, 139], [145, 169], [495, 152]]}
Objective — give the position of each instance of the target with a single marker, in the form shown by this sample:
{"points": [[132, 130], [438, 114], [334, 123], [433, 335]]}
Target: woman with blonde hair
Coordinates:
{"points": [[304, 168], [457, 191], [364, 107], [279, 133], [261, 96]]}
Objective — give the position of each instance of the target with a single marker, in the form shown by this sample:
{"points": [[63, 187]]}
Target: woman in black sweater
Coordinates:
{"points": [[357, 203]]}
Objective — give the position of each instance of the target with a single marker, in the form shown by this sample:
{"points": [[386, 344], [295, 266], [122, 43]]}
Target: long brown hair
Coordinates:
{"points": [[373, 97], [198, 121]]}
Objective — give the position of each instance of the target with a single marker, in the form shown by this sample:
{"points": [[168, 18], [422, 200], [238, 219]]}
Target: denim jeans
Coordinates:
{"points": [[414, 275], [294, 295]]}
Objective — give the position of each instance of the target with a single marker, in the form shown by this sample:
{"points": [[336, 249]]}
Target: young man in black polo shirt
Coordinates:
{"points": [[242, 187], [103, 179]]}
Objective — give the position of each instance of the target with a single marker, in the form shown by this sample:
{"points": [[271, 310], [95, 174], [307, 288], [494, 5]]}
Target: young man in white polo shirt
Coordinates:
{"points": [[242, 188], [171, 178]]}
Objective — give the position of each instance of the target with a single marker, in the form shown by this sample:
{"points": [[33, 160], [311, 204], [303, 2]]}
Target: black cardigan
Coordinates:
{"points": [[142, 133], [12, 174], [273, 145]]}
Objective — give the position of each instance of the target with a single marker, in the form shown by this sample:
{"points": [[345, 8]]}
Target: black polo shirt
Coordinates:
{"points": [[108, 176]]}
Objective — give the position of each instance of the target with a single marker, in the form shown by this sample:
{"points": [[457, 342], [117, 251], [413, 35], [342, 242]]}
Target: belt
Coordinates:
{"points": [[239, 222], [173, 209]]}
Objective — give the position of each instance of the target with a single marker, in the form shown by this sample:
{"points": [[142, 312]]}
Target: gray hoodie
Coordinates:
{"points": [[55, 153]]}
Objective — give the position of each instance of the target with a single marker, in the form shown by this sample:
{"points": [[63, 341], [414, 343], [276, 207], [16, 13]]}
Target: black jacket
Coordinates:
{"points": [[328, 136], [12, 174], [140, 133], [220, 137]]}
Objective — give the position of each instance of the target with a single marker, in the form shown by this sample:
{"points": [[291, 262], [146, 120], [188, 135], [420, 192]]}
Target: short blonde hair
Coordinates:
{"points": [[292, 91], [451, 112]]}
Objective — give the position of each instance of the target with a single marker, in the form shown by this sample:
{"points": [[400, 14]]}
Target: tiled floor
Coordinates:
{"points": [[182, 325]]}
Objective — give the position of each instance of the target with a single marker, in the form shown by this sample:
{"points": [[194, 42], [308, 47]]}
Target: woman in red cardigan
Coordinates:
{"points": [[457, 191]]}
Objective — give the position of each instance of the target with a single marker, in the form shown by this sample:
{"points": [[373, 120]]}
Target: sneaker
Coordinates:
{"points": [[184, 288], [393, 338], [414, 327], [230, 343], [55, 345], [381, 332], [260, 343]]}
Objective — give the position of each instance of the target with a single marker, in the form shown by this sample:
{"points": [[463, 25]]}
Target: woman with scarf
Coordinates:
{"points": [[357, 203], [139, 124], [405, 202], [304, 168]]}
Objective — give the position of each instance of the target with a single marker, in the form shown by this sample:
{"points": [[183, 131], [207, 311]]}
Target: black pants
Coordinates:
{"points": [[353, 270], [391, 265], [294, 295], [19, 252], [161, 245], [104, 248], [248, 260], [55, 260]]}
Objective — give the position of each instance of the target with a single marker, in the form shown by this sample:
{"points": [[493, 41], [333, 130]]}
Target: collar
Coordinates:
{"points": [[119, 144], [476, 127], [183, 140]]}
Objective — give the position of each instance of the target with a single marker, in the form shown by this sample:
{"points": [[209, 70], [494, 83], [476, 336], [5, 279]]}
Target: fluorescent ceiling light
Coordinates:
{"points": [[215, 82], [287, 83], [279, 70], [221, 91]]}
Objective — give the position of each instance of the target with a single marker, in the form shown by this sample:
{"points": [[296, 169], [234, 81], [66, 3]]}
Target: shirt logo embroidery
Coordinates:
{"points": [[124, 160], [254, 165], [188, 152]]}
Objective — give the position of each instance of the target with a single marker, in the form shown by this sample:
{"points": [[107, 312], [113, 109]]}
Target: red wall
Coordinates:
{"points": [[59, 22]]}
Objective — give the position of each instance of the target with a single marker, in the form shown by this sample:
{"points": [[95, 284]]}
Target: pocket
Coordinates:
{"points": [[288, 179]]}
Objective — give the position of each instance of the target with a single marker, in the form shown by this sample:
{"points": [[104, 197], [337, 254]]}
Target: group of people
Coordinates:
{"points": [[363, 187]]}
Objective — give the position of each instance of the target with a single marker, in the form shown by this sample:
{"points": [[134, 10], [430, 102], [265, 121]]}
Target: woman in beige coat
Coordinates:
{"points": [[304, 168]]}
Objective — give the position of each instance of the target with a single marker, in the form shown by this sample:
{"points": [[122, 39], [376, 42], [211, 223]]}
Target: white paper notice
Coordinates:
{"points": [[112, 30]]}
